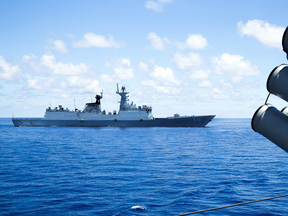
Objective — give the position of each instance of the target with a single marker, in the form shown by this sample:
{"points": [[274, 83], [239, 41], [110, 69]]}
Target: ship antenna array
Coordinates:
{"points": [[74, 104]]}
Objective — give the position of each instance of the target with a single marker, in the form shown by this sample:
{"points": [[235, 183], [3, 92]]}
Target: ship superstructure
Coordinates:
{"points": [[129, 115]]}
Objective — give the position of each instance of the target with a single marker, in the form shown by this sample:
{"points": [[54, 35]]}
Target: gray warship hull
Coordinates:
{"points": [[189, 121]]}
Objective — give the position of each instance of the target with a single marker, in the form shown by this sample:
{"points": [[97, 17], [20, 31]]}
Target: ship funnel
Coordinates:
{"points": [[272, 124]]}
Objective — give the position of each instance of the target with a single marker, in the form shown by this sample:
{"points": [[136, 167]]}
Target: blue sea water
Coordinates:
{"points": [[140, 171]]}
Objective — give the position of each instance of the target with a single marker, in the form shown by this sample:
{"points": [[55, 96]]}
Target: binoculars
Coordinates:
{"points": [[267, 120]]}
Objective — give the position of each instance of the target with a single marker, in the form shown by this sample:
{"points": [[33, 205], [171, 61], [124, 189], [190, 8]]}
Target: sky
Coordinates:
{"points": [[196, 57]]}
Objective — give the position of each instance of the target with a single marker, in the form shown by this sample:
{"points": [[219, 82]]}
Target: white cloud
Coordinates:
{"points": [[163, 81], [223, 84], [27, 58], [60, 68], [234, 66], [33, 84], [9, 72], [268, 34], [60, 46], [165, 76], [200, 74], [65, 96], [157, 5], [82, 84], [107, 79], [93, 40], [143, 67], [156, 41], [216, 94], [122, 69], [190, 61], [30, 65], [194, 42], [205, 84], [167, 90]]}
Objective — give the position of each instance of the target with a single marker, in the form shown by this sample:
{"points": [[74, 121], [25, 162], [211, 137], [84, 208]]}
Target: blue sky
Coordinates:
{"points": [[187, 57]]}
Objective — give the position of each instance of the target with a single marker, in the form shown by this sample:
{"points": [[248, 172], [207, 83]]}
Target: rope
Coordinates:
{"points": [[267, 99], [212, 209]]}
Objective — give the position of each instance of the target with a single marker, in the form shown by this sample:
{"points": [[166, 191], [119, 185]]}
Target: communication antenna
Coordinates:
{"points": [[74, 104]]}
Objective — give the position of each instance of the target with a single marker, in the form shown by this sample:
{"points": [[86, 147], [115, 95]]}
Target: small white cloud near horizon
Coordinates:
{"points": [[60, 46], [33, 84], [9, 72], [194, 42], [27, 58], [268, 34], [143, 67], [200, 74], [49, 61], [107, 79], [215, 94], [156, 41], [234, 66], [165, 76], [157, 5], [122, 70], [187, 62], [94, 40], [83, 84], [205, 84], [163, 81]]}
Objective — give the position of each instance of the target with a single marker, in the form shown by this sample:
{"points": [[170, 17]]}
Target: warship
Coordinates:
{"points": [[129, 115]]}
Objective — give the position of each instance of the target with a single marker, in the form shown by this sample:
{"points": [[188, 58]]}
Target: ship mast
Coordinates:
{"points": [[124, 97]]}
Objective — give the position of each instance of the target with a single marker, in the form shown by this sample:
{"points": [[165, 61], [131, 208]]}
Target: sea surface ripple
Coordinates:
{"points": [[140, 171]]}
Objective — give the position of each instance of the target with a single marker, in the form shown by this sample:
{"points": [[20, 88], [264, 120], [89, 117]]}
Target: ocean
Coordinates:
{"points": [[140, 171]]}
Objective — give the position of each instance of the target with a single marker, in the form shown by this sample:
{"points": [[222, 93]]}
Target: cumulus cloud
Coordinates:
{"points": [[164, 76], [163, 81], [268, 34], [216, 94], [205, 84], [33, 84], [187, 62], [49, 61], [83, 84], [143, 67], [93, 40], [223, 84], [234, 66], [107, 79], [156, 5], [200, 74], [9, 72], [28, 58], [60, 46], [194, 42], [122, 70], [156, 41]]}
